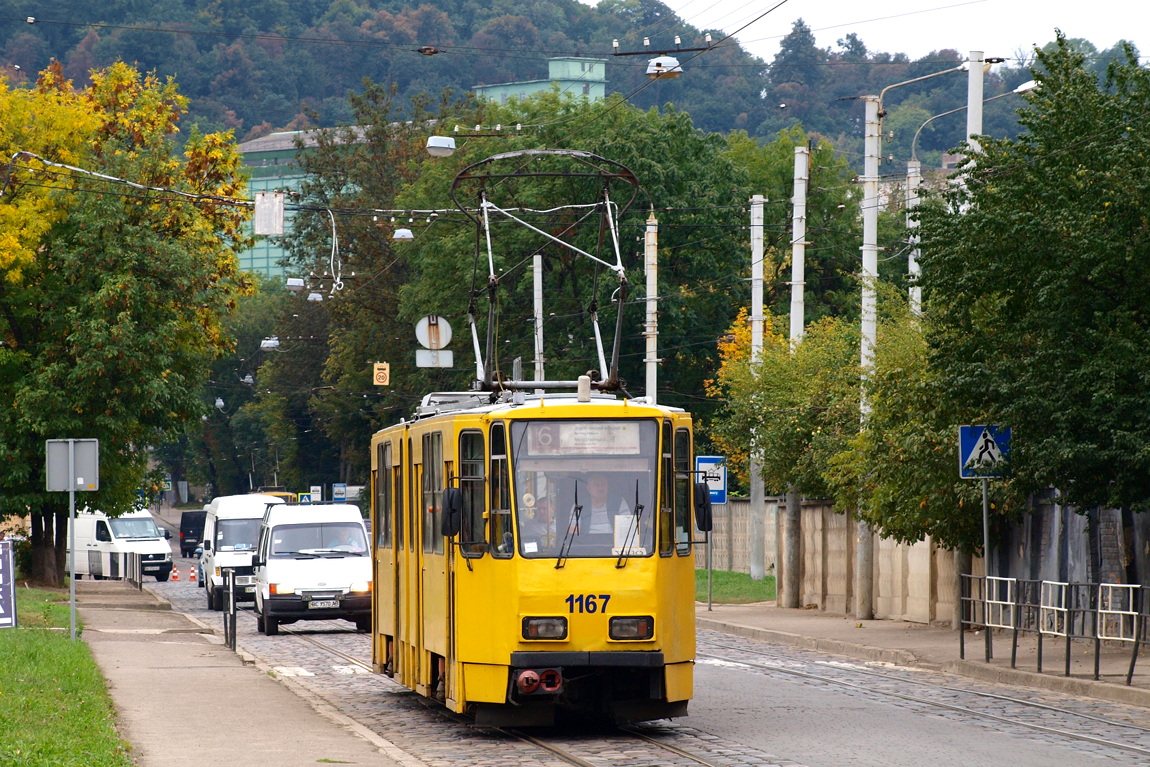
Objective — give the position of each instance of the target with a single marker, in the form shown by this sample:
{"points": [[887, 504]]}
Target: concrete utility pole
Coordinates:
{"points": [[974, 75], [872, 144], [872, 148], [914, 271], [792, 534], [537, 294], [651, 327], [756, 527]]}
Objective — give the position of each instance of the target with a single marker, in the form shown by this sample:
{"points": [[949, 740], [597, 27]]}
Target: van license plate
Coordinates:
{"points": [[321, 604]]}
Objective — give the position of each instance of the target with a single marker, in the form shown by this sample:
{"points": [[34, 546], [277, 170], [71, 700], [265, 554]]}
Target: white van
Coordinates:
{"points": [[231, 530], [313, 563], [103, 543]]}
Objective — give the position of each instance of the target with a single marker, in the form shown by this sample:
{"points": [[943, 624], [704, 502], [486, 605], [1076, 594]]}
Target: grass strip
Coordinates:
{"points": [[54, 703], [733, 588]]}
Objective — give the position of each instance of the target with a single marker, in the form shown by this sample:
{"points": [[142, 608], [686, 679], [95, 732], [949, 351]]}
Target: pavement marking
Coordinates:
{"points": [[291, 671], [717, 662], [350, 670]]}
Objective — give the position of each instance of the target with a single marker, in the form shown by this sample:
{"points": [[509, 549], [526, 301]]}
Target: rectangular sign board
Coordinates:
{"points": [[7, 586], [983, 451], [339, 491], [86, 468], [712, 469]]}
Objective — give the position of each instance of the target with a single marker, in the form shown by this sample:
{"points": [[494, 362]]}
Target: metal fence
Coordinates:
{"points": [[1056, 611]]}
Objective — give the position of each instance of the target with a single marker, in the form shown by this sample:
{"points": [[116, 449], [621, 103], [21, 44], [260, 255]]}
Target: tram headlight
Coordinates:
{"points": [[545, 628], [281, 588], [360, 587], [637, 627]]}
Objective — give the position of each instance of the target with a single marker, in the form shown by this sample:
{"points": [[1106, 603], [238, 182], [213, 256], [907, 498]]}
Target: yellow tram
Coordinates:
{"points": [[534, 554]]}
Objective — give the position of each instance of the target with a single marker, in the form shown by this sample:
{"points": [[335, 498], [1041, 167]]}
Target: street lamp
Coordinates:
{"points": [[864, 551], [914, 181]]}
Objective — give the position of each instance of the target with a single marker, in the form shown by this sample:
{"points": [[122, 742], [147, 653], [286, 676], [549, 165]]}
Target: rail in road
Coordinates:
{"points": [[332, 661]]}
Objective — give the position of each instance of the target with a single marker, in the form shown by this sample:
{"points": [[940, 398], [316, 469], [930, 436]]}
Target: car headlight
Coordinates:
{"points": [[360, 587], [281, 588], [544, 628], [637, 627]]}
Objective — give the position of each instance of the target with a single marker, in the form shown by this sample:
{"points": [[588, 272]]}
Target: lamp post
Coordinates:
{"points": [[864, 542]]}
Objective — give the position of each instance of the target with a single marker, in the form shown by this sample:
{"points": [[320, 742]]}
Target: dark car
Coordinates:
{"points": [[191, 531]]}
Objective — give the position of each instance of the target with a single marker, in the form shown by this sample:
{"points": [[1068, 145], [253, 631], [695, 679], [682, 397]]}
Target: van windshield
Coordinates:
{"points": [[134, 527], [237, 534], [289, 540]]}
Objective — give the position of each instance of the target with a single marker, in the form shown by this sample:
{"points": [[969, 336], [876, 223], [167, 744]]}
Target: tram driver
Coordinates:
{"points": [[602, 509]]}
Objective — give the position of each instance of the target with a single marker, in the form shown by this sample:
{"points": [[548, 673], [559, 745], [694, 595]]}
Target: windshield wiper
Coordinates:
{"points": [[296, 554], [572, 531], [633, 533]]}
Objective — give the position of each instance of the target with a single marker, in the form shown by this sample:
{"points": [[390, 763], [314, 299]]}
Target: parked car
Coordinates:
{"points": [[103, 543], [231, 530]]}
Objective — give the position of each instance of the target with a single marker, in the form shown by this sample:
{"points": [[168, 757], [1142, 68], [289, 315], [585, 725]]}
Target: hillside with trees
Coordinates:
{"points": [[268, 65]]}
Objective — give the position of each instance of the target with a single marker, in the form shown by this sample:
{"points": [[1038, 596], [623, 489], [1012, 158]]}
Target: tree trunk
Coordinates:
{"points": [[48, 553]]}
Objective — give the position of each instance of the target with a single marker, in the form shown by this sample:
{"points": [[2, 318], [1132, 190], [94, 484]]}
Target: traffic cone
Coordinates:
{"points": [[175, 573], [192, 574]]}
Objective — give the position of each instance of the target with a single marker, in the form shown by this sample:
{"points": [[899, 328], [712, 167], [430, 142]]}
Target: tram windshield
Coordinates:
{"points": [[585, 488]]}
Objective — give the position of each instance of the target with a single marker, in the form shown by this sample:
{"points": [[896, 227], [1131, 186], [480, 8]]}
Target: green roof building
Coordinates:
{"points": [[575, 75]]}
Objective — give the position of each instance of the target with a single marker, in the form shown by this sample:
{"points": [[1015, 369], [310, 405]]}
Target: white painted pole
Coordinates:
{"points": [[651, 327], [864, 539], [756, 522], [914, 271], [790, 583], [537, 268], [799, 244], [974, 74]]}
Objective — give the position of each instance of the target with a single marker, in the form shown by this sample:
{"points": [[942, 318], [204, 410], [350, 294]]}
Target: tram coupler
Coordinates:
{"points": [[546, 681]]}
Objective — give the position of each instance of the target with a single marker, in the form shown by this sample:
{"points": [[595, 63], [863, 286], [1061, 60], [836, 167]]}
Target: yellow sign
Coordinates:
{"points": [[382, 375]]}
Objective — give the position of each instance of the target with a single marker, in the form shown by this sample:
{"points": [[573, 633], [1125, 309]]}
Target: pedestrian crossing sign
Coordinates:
{"points": [[983, 451]]}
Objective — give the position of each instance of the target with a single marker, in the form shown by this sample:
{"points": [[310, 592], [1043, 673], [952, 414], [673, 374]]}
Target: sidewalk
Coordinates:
{"points": [[937, 648], [183, 699]]}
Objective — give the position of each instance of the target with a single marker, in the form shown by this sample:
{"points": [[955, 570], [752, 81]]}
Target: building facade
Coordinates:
{"points": [[581, 77]]}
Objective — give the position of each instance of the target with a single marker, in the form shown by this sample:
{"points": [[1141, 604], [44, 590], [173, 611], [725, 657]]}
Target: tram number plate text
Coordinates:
{"points": [[587, 603], [322, 604]]}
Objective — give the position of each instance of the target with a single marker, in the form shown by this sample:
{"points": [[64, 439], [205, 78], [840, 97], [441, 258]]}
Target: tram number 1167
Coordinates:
{"points": [[587, 603]]}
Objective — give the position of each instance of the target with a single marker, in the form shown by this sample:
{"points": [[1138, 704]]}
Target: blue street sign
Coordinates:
{"points": [[712, 469], [304, 497], [983, 451]]}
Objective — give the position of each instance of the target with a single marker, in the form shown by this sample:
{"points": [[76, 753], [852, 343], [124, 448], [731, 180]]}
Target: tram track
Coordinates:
{"points": [[986, 715], [557, 746]]}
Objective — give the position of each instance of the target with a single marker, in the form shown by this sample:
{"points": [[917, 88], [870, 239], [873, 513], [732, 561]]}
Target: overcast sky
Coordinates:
{"points": [[917, 27]]}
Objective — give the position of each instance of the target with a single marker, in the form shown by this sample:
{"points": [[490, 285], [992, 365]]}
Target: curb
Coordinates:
{"points": [[834, 646], [1086, 688]]}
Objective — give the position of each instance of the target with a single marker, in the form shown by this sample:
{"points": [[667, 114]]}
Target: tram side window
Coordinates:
{"points": [[683, 490], [500, 475], [666, 495], [471, 472], [432, 491], [383, 495]]}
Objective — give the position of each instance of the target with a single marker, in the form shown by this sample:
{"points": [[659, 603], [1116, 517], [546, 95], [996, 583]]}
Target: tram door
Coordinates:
{"points": [[407, 573], [434, 620], [388, 529]]}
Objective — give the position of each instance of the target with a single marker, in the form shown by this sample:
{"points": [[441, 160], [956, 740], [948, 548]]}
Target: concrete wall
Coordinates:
{"points": [[917, 582]]}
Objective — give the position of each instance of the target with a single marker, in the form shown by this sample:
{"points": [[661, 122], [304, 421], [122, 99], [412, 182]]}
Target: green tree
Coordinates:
{"points": [[112, 317], [1036, 283]]}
